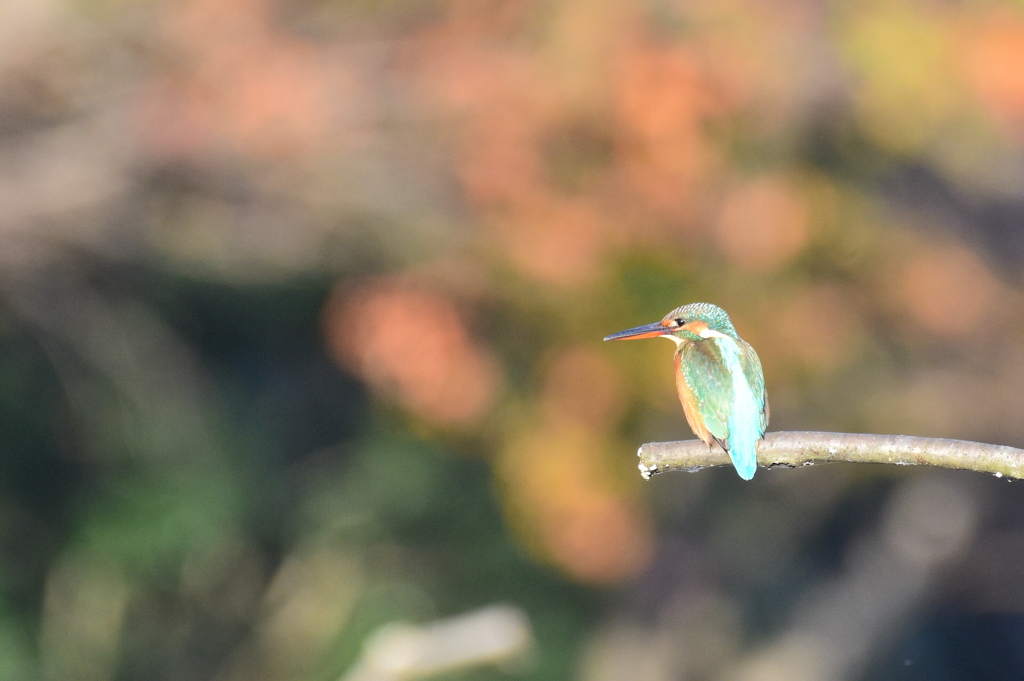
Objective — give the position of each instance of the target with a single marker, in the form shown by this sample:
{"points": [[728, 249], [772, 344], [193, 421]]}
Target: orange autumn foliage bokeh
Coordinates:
{"points": [[993, 51], [301, 334], [411, 343], [568, 140]]}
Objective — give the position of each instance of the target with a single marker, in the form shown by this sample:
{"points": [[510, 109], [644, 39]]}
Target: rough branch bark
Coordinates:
{"points": [[803, 448]]}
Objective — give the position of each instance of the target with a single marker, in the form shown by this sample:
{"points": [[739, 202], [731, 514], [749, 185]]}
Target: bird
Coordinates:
{"points": [[718, 377]]}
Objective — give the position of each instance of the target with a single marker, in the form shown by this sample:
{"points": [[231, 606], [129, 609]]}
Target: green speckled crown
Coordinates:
{"points": [[715, 317]]}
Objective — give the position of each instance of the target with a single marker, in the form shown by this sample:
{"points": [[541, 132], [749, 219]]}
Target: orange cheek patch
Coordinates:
{"points": [[697, 328]]}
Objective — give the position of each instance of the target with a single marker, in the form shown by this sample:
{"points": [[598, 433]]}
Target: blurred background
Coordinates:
{"points": [[301, 307]]}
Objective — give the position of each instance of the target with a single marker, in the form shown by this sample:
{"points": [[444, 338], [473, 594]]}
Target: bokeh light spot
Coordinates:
{"points": [[950, 291], [564, 500], [815, 326], [557, 242], [993, 65], [411, 344], [762, 224], [581, 386]]}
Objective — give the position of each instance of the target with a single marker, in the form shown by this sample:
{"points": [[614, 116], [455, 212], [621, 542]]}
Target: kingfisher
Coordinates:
{"points": [[718, 377]]}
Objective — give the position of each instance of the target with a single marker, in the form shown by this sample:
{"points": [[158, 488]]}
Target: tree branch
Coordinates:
{"points": [[803, 448]]}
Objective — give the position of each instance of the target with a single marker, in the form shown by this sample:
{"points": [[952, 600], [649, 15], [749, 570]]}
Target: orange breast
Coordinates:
{"points": [[690, 409]]}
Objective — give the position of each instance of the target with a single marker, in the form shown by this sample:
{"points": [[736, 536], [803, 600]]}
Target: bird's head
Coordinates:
{"points": [[691, 322]]}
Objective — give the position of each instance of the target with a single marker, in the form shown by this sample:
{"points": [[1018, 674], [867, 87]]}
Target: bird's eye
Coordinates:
{"points": [[679, 322]]}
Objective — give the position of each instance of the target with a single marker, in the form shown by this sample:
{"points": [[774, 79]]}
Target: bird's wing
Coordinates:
{"points": [[755, 378], [703, 374]]}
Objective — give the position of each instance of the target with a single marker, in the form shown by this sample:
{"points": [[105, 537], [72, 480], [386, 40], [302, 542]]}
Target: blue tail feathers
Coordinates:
{"points": [[744, 419], [744, 432], [744, 459]]}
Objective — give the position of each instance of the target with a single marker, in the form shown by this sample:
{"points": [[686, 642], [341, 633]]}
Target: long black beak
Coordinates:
{"points": [[646, 331]]}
